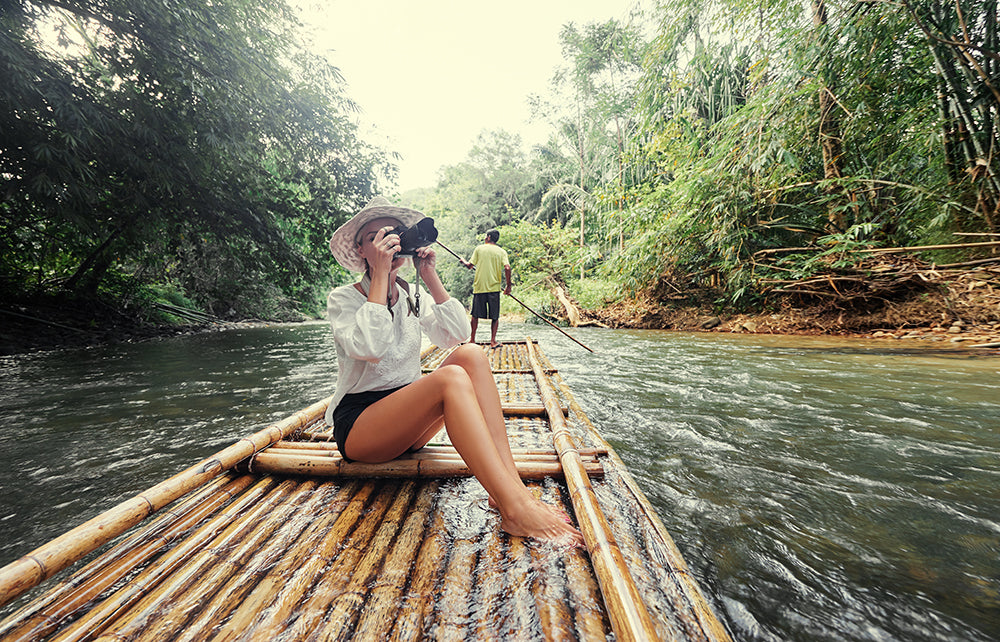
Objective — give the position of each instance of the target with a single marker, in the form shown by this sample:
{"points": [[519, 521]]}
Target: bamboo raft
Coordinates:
{"points": [[276, 537]]}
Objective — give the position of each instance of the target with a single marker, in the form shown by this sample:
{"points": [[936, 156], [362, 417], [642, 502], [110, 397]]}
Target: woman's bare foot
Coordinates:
{"points": [[534, 518]]}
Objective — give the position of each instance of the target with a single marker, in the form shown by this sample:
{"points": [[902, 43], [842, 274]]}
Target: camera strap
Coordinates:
{"points": [[414, 304], [365, 286]]}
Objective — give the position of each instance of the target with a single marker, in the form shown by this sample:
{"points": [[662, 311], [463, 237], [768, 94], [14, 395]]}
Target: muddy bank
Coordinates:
{"points": [[46, 324], [957, 308], [972, 318]]}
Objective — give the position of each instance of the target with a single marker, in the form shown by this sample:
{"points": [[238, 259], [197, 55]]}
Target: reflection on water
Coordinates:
{"points": [[819, 489]]}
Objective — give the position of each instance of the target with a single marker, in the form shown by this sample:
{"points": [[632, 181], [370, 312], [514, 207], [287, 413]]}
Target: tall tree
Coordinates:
{"points": [[148, 125], [830, 139], [964, 40]]}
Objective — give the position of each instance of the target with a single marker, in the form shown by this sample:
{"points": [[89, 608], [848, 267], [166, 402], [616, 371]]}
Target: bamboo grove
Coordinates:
{"points": [[719, 144], [183, 150]]}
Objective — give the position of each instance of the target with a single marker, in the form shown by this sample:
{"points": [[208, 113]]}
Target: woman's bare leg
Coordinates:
{"points": [[474, 361], [402, 420]]}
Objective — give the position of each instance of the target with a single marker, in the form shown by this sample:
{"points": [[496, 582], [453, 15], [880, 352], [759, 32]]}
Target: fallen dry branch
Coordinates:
{"points": [[889, 277]]}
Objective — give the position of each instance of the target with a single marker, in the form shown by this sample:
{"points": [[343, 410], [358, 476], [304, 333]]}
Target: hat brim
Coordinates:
{"points": [[344, 243]]}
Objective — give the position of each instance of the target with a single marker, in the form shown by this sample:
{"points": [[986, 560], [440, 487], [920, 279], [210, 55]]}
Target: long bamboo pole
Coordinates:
{"points": [[346, 605], [47, 560], [335, 466], [629, 617], [385, 599], [243, 511], [549, 322], [710, 623], [524, 305], [116, 564]]}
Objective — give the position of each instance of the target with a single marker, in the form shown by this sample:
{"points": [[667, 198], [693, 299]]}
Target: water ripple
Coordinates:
{"points": [[819, 489]]}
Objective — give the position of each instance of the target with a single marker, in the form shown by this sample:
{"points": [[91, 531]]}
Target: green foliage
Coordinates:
{"points": [[595, 293], [537, 253], [154, 130], [201, 145]]}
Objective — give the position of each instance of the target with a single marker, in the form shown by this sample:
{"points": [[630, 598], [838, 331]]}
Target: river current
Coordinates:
{"points": [[820, 489]]}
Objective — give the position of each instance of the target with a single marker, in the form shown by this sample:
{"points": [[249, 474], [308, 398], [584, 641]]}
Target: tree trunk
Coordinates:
{"points": [[829, 127], [96, 265], [572, 313], [583, 204]]}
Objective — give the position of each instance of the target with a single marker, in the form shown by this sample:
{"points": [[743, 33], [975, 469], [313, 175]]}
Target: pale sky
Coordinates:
{"points": [[430, 75]]}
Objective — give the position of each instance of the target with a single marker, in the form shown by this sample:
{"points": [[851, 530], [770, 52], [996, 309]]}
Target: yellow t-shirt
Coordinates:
{"points": [[489, 260]]}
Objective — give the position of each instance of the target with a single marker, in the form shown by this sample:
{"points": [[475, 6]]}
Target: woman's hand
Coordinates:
{"points": [[427, 263], [428, 272], [385, 246]]}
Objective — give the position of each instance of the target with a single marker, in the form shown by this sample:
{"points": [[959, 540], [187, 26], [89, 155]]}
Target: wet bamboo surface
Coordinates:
{"points": [[276, 537]]}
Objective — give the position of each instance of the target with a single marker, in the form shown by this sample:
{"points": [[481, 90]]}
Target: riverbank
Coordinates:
{"points": [[46, 324], [963, 310]]}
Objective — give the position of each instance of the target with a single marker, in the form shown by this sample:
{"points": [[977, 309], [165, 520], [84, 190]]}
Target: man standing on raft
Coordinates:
{"points": [[490, 260]]}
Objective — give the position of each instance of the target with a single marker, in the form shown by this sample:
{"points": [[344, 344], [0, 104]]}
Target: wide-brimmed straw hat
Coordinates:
{"points": [[344, 243]]}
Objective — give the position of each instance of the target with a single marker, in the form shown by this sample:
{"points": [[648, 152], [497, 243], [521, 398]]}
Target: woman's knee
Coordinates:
{"points": [[453, 378], [470, 356]]}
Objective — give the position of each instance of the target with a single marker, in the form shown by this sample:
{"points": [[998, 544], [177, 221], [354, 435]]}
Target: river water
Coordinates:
{"points": [[819, 489]]}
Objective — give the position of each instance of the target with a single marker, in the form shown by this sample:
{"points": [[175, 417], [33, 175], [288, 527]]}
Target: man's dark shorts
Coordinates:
{"points": [[486, 305]]}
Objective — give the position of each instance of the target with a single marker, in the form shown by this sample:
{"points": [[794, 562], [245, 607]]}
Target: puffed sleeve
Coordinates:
{"points": [[445, 324], [361, 328]]}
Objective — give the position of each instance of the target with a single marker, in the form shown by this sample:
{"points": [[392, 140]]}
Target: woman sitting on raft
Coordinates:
{"points": [[383, 408]]}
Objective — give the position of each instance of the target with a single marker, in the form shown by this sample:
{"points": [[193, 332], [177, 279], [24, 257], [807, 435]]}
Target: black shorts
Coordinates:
{"points": [[486, 305], [348, 411]]}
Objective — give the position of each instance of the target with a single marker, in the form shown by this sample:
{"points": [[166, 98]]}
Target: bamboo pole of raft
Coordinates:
{"points": [[47, 560], [527, 457], [629, 617], [328, 448], [385, 596], [327, 466], [325, 449], [491, 583], [549, 589], [267, 623], [93, 580], [520, 616], [234, 601], [292, 456], [415, 605], [345, 607], [453, 606], [241, 510], [673, 560]]}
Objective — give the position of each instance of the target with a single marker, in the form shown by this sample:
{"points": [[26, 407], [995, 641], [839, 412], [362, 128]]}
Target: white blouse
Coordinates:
{"points": [[378, 351]]}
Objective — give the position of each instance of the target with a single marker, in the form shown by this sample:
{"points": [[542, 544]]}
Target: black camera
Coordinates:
{"points": [[420, 235]]}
